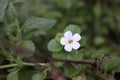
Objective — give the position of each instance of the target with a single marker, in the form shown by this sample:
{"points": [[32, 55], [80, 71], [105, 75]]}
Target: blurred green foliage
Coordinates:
{"points": [[34, 23]]}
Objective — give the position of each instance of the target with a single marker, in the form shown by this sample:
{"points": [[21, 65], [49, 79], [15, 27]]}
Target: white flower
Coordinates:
{"points": [[70, 41]]}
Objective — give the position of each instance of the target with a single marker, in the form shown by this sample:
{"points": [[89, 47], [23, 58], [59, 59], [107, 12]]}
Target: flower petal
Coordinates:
{"points": [[63, 41], [75, 45], [68, 34], [68, 48], [76, 37]]}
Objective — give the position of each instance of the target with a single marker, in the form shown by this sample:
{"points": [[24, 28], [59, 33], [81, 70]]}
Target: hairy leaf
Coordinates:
{"points": [[59, 36], [13, 75], [54, 46], [29, 48], [73, 28], [36, 26], [39, 76], [12, 11], [3, 6]]}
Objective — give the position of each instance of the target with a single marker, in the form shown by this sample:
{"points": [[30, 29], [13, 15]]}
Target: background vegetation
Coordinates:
{"points": [[31, 24]]}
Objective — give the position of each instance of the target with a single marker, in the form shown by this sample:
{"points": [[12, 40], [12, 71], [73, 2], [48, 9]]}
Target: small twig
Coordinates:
{"points": [[74, 61], [24, 64]]}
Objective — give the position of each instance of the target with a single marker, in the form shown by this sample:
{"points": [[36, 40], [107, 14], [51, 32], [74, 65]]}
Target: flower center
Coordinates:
{"points": [[70, 41]]}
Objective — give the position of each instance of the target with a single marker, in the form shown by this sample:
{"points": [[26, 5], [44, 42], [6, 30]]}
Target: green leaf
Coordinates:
{"points": [[83, 41], [13, 75], [97, 10], [26, 74], [29, 47], [36, 26], [90, 77], [65, 3], [99, 40], [54, 46], [59, 36], [70, 71], [36, 76], [59, 64], [40, 76], [54, 14], [18, 1], [75, 56], [73, 28], [3, 6], [111, 63], [12, 11], [60, 55]]}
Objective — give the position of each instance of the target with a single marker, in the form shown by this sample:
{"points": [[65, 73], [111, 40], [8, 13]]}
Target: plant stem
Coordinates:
{"points": [[74, 61], [43, 64], [24, 64], [18, 36]]}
